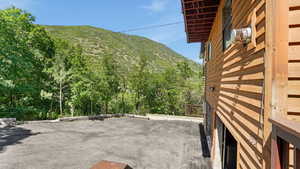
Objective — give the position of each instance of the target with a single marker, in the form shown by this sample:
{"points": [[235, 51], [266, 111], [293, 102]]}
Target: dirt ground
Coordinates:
{"points": [[143, 144]]}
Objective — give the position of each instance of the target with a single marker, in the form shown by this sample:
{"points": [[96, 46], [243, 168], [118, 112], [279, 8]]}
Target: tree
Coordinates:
{"points": [[138, 80], [78, 77], [171, 83], [25, 50], [185, 70], [162, 92], [109, 85], [61, 69], [185, 73], [123, 90], [42, 77]]}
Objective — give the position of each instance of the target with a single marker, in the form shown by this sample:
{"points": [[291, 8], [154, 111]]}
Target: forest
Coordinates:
{"points": [[46, 77]]}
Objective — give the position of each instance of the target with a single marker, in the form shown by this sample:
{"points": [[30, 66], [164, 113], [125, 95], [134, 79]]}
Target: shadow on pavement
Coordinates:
{"points": [[13, 135], [203, 140]]}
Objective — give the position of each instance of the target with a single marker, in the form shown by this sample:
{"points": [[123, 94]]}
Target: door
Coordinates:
{"points": [[229, 150]]}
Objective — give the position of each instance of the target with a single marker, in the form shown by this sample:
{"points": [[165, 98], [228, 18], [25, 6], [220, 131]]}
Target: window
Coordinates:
{"points": [[209, 50], [227, 24], [202, 52], [206, 52]]}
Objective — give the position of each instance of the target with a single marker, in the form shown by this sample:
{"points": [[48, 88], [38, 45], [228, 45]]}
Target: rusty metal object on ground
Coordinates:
{"points": [[110, 165]]}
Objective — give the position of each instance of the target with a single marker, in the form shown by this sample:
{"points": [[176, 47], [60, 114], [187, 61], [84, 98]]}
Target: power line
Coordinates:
{"points": [[151, 27]]}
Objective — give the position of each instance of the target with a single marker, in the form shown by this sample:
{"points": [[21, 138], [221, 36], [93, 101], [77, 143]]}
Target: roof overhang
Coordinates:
{"points": [[199, 16]]}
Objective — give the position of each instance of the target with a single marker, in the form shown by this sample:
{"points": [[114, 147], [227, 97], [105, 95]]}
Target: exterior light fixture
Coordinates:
{"points": [[212, 89], [243, 35]]}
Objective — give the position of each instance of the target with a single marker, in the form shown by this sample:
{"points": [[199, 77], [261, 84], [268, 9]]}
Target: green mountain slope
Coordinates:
{"points": [[97, 42]]}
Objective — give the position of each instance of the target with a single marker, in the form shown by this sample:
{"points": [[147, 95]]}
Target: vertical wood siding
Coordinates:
{"points": [[237, 76], [294, 61]]}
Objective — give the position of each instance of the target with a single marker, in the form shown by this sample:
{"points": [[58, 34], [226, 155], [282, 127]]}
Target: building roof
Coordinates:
{"points": [[199, 16]]}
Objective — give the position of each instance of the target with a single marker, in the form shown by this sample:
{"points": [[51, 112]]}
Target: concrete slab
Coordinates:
{"points": [[140, 143], [5, 122], [110, 165], [174, 118]]}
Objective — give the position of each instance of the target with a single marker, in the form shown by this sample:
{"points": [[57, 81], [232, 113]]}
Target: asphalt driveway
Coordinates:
{"points": [[143, 144]]}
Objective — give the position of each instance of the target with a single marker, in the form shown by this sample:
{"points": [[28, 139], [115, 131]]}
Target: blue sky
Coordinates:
{"points": [[116, 15]]}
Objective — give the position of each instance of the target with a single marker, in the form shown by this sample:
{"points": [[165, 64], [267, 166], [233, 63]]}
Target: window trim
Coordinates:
{"points": [[227, 25]]}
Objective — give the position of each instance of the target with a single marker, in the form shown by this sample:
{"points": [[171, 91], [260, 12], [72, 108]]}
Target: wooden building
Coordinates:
{"points": [[251, 51]]}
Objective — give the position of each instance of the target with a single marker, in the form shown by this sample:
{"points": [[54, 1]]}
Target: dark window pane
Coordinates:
{"points": [[227, 24]]}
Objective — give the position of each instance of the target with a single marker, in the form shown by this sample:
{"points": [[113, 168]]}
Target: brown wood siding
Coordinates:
{"points": [[238, 76], [294, 61]]}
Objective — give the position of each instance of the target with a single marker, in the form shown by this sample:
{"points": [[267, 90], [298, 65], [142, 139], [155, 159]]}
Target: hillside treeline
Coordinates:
{"points": [[42, 77]]}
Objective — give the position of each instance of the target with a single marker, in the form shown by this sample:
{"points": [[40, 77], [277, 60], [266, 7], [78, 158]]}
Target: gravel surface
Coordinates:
{"points": [[143, 144]]}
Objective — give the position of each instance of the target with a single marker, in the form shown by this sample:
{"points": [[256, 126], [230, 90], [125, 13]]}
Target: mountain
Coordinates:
{"points": [[127, 49]]}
